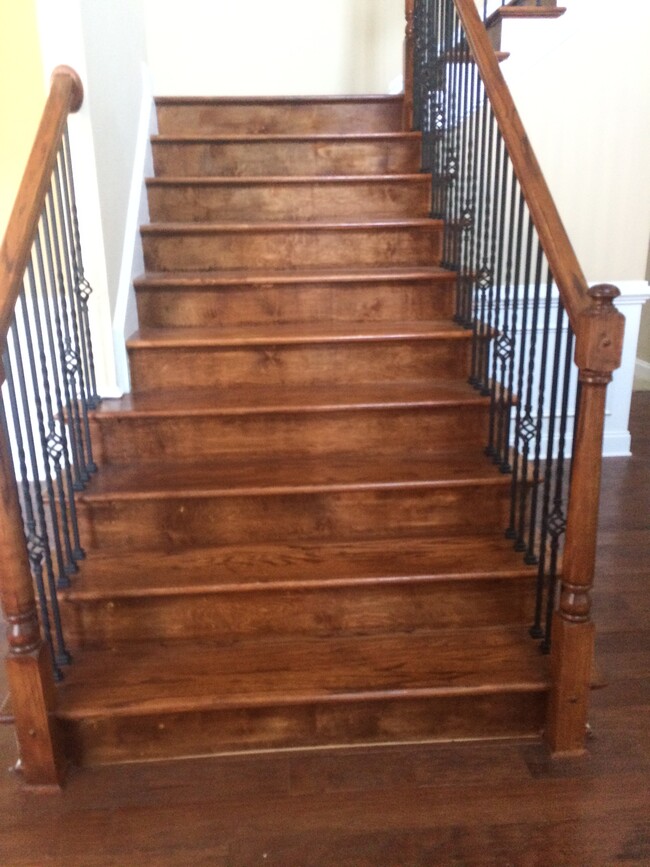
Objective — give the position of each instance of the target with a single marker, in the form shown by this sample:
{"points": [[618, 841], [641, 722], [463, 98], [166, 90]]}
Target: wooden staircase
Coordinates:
{"points": [[295, 539]]}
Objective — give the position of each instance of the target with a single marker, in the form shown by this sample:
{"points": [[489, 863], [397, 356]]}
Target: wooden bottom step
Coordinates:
{"points": [[365, 587], [159, 699]]}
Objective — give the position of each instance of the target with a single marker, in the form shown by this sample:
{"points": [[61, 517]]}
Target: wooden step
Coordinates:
{"points": [[288, 155], [174, 506], [519, 11], [312, 354], [256, 297], [281, 198], [288, 245], [189, 423], [366, 587], [198, 698], [255, 115]]}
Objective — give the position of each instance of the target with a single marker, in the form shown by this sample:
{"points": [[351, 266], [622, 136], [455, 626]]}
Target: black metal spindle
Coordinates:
{"points": [[59, 441], [76, 355], [39, 542], [65, 348], [557, 517], [83, 287]]}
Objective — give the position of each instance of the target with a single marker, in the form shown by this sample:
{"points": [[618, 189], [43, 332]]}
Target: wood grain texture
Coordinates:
{"points": [[276, 114], [297, 198], [415, 805], [222, 298], [209, 246], [288, 155], [185, 425]]}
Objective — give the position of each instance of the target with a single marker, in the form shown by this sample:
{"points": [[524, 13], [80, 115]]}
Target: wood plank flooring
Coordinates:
{"points": [[491, 804]]}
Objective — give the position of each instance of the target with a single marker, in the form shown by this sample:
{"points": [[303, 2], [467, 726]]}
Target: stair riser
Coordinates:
{"points": [[300, 364], [199, 733], [265, 304], [372, 609], [267, 158], [289, 201], [185, 522], [130, 439], [165, 250], [270, 118]]}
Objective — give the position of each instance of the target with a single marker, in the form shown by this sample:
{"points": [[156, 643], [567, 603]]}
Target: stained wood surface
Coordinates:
{"points": [[172, 677], [277, 114], [311, 244], [414, 805], [296, 198], [317, 155], [219, 298], [259, 476]]}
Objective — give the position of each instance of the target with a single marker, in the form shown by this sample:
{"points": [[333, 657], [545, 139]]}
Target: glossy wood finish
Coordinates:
{"points": [[178, 425], [409, 61], [317, 356], [415, 805], [272, 115], [598, 327], [261, 156], [226, 298], [206, 246], [296, 198]]}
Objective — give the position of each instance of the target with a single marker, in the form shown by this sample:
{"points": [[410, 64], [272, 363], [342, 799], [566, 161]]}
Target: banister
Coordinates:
{"points": [[65, 97], [604, 353]]}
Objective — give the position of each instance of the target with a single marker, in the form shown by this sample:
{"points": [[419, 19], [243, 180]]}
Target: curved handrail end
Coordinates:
{"points": [[77, 94]]}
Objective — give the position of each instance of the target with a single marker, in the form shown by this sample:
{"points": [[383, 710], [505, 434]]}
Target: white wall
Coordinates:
{"points": [[585, 101], [259, 47]]}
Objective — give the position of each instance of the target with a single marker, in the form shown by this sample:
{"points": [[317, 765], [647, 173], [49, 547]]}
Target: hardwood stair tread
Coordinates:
{"points": [[169, 228], [249, 568], [250, 399], [228, 277], [177, 676], [273, 180], [281, 99], [296, 333], [291, 474], [317, 137]]}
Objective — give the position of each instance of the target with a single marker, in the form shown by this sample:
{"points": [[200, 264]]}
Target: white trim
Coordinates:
{"points": [[125, 320]]}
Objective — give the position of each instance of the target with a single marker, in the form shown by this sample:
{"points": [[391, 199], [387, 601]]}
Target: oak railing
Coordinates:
{"points": [[545, 344], [48, 386]]}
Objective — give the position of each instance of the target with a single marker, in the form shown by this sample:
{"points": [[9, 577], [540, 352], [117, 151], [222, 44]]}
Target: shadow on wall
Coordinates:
{"points": [[372, 25]]}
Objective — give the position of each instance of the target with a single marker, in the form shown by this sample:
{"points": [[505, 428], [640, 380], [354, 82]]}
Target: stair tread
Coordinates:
{"points": [[507, 11], [294, 180], [252, 399], [309, 564], [241, 137], [291, 474], [274, 275], [295, 333], [280, 99], [169, 228], [173, 676]]}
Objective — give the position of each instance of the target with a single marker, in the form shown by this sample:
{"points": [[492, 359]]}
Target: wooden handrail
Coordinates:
{"points": [[65, 97], [28, 661], [568, 275]]}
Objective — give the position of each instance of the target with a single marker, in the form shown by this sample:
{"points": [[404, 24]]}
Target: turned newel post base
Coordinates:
{"points": [[598, 348], [28, 662]]}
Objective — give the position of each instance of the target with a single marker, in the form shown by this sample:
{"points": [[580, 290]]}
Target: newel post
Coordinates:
{"points": [[598, 351], [29, 667], [409, 65]]}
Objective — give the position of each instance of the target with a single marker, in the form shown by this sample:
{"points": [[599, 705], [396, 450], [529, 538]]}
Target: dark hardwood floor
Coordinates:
{"points": [[484, 804]]}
